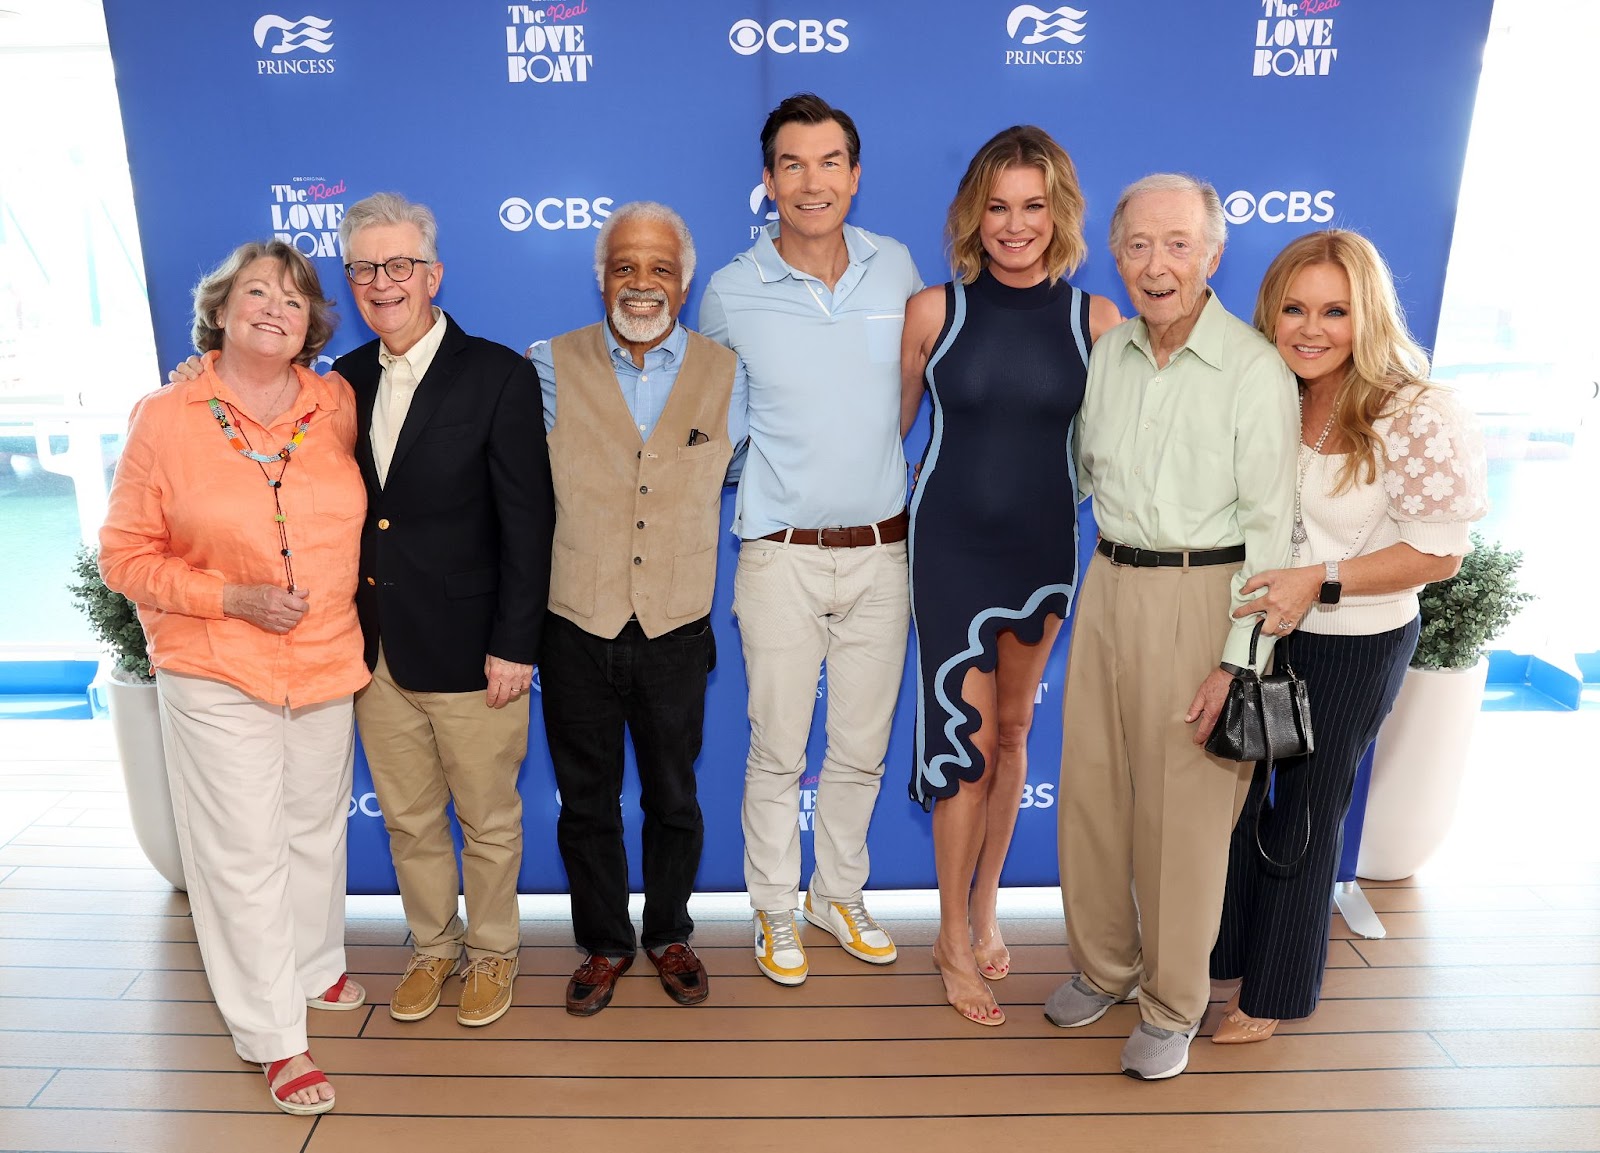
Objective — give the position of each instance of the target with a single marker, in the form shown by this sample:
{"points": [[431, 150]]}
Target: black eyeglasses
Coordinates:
{"points": [[398, 269]]}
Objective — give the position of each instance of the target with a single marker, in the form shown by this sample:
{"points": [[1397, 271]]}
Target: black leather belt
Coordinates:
{"points": [[1121, 554]]}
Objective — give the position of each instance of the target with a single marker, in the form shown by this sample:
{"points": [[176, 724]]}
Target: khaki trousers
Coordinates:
{"points": [[801, 607], [261, 796], [1146, 813], [425, 750]]}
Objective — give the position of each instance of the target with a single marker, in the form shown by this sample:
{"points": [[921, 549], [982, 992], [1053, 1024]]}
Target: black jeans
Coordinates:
{"points": [[592, 689]]}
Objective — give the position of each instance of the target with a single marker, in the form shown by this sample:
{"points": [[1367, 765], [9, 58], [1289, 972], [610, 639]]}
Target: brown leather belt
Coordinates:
{"points": [[856, 536]]}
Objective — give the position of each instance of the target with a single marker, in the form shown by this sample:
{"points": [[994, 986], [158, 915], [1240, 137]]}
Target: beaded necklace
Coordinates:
{"points": [[229, 422]]}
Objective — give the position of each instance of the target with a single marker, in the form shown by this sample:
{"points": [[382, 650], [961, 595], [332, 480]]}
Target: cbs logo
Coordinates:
{"points": [[554, 213], [1279, 207], [747, 37]]}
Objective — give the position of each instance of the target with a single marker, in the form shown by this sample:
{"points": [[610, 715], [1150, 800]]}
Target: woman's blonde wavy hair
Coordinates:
{"points": [[1020, 146], [1384, 359]]}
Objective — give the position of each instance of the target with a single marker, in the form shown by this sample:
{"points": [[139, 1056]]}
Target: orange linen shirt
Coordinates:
{"points": [[189, 514]]}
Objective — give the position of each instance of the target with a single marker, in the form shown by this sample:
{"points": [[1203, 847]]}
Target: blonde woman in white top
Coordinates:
{"points": [[1390, 475]]}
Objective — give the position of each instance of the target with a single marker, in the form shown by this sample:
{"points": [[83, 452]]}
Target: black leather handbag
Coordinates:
{"points": [[1264, 719]]}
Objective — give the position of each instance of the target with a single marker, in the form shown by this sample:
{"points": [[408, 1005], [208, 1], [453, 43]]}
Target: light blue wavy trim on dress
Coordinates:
{"points": [[932, 772]]}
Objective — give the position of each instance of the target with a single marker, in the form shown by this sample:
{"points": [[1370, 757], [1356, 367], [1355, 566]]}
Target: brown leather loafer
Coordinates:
{"points": [[592, 984], [682, 974]]}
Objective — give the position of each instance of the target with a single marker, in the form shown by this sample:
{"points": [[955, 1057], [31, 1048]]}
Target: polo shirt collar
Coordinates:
{"points": [[671, 348], [1206, 339], [773, 267]]}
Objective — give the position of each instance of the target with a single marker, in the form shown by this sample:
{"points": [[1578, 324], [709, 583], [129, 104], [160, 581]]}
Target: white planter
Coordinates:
{"points": [[136, 721], [1417, 769]]}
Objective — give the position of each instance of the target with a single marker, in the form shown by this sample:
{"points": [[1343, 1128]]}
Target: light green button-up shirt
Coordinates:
{"points": [[1200, 454]]}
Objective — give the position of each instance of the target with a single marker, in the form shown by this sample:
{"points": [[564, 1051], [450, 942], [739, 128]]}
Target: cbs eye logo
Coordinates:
{"points": [[554, 213], [516, 214], [1279, 207], [747, 37]]}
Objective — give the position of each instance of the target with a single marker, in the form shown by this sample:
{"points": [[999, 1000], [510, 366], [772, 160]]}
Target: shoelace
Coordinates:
{"points": [[482, 967], [780, 934], [419, 961], [856, 913]]}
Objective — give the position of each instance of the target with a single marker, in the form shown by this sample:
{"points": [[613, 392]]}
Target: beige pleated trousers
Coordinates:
{"points": [[261, 796], [425, 751], [1146, 813]]}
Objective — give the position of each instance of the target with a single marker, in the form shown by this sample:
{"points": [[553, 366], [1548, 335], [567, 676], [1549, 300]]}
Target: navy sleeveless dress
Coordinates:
{"points": [[994, 536]]}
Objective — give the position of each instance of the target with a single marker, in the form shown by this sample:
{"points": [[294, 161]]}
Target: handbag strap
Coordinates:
{"points": [[1261, 805]]}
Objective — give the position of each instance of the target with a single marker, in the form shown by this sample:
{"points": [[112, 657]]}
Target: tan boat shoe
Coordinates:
{"points": [[486, 990], [417, 995]]}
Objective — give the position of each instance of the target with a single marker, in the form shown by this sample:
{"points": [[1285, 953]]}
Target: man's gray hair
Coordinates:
{"points": [[392, 208], [644, 210], [1216, 223]]}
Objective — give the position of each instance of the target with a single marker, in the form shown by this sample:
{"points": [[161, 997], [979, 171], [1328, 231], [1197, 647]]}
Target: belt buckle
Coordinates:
{"points": [[822, 537]]}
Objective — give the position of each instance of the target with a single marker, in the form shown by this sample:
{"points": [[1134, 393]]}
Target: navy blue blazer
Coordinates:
{"points": [[455, 551]]}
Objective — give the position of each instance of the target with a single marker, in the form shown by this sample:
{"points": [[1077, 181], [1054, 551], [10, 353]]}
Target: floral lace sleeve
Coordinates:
{"points": [[1433, 469]]}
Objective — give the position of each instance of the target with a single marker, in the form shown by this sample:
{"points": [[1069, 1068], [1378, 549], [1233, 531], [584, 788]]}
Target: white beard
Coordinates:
{"points": [[638, 329]]}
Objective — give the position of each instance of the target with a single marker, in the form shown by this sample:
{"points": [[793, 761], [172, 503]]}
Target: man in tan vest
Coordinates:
{"points": [[643, 417]]}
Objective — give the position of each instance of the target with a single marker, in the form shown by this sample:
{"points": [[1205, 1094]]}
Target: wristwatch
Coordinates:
{"points": [[1332, 589]]}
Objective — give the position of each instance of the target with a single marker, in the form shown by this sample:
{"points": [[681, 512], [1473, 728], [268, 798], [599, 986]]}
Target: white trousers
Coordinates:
{"points": [[261, 795], [800, 608]]}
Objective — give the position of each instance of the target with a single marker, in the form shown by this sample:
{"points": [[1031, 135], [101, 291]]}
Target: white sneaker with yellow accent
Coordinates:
{"points": [[778, 950], [854, 927]]}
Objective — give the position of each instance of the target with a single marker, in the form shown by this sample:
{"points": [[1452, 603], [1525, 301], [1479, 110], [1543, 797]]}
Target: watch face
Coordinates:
{"points": [[1330, 592]]}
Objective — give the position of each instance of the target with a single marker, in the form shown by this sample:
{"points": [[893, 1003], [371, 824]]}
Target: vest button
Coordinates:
{"points": [[370, 581], [640, 524], [644, 488], [383, 524], [638, 560]]}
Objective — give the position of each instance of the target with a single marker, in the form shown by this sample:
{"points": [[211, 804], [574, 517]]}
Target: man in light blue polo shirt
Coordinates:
{"points": [[814, 311]]}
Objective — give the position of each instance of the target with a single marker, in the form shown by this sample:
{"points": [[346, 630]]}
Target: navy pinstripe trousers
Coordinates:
{"points": [[1274, 930]]}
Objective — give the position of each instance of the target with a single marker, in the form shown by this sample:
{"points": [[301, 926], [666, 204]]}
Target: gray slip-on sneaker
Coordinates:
{"points": [[1077, 1003], [1154, 1054]]}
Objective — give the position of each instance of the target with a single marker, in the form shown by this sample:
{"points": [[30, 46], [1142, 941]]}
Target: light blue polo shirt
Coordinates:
{"points": [[824, 371]]}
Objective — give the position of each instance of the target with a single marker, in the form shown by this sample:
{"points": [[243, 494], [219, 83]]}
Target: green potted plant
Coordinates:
{"points": [[135, 714], [113, 619], [1421, 754], [1463, 614]]}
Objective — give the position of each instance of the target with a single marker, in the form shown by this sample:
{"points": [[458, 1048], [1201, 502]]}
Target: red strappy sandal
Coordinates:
{"points": [[330, 999], [294, 1085]]}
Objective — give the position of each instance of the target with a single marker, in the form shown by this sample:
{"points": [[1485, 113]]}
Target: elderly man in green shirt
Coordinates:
{"points": [[1187, 441]]}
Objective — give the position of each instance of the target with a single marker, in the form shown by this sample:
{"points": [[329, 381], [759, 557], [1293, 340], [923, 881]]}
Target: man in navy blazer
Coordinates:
{"points": [[455, 571]]}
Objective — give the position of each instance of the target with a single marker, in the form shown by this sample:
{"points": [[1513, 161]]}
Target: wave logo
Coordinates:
{"points": [[1296, 207], [762, 209], [309, 32], [1064, 24]]}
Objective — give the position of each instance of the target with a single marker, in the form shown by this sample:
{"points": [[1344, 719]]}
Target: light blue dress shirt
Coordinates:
{"points": [[824, 382], [645, 390]]}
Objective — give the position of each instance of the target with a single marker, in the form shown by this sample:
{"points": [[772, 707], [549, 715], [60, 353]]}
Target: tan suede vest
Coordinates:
{"points": [[636, 521]]}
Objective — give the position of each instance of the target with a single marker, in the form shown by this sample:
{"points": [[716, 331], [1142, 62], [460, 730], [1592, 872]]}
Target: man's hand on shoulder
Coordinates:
{"points": [[190, 369], [1207, 704]]}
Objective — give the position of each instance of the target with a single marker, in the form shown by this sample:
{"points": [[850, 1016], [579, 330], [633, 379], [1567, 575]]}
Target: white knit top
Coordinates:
{"points": [[1431, 485]]}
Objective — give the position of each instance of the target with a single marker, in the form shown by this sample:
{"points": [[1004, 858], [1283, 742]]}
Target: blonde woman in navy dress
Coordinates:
{"points": [[1004, 350], [1391, 473]]}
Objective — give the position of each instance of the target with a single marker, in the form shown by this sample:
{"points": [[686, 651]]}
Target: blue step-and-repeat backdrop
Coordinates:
{"points": [[524, 125]]}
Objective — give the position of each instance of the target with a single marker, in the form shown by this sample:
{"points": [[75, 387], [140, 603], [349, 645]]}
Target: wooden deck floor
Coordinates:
{"points": [[1474, 1026]]}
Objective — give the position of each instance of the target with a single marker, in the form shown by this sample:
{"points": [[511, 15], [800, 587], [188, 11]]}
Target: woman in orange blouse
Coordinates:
{"points": [[235, 524]]}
